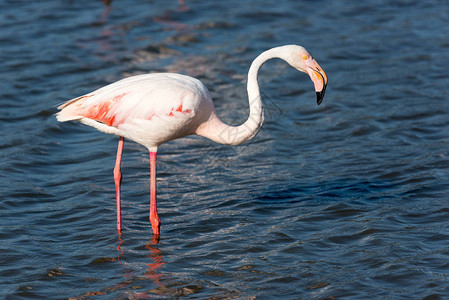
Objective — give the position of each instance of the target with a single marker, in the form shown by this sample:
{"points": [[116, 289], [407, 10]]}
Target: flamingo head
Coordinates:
{"points": [[300, 59]]}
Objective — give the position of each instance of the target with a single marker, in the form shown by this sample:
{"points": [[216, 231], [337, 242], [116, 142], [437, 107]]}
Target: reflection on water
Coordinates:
{"points": [[130, 276], [344, 200], [156, 256]]}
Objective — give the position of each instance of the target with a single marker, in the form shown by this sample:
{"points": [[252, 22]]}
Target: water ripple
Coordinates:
{"points": [[345, 200]]}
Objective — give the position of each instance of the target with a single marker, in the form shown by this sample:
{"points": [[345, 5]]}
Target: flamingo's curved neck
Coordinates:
{"points": [[235, 135]]}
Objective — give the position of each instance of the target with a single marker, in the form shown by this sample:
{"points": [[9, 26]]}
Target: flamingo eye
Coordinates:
{"points": [[305, 57]]}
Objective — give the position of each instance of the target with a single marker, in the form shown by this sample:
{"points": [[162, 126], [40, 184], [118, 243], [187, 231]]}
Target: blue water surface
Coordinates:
{"points": [[347, 200]]}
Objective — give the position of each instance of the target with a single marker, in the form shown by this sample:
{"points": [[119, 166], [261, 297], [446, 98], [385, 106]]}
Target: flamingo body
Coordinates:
{"points": [[149, 109], [153, 109]]}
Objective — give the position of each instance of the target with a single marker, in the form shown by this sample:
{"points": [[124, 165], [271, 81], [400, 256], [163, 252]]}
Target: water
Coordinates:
{"points": [[348, 200]]}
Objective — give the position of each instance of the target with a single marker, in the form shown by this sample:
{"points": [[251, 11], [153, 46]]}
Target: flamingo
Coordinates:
{"points": [[152, 109]]}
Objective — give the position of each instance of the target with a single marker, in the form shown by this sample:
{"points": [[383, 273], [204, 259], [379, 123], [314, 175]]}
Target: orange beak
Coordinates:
{"points": [[319, 79]]}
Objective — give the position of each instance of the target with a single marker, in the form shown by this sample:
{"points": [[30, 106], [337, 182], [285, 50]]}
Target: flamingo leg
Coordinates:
{"points": [[154, 218], [118, 181]]}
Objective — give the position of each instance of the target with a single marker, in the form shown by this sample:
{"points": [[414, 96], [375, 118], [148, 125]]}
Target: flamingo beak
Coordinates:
{"points": [[319, 79]]}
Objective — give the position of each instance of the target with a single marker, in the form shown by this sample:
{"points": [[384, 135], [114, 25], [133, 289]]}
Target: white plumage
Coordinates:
{"points": [[149, 109]]}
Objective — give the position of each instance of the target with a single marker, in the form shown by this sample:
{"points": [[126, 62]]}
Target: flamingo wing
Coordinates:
{"points": [[149, 109], [139, 97]]}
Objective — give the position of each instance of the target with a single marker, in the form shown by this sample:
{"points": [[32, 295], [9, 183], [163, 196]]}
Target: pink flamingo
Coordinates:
{"points": [[152, 109]]}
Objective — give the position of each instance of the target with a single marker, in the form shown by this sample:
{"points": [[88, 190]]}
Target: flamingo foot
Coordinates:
{"points": [[156, 225], [154, 240]]}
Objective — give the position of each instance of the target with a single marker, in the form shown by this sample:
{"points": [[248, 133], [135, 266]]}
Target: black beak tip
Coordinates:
{"points": [[319, 97]]}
